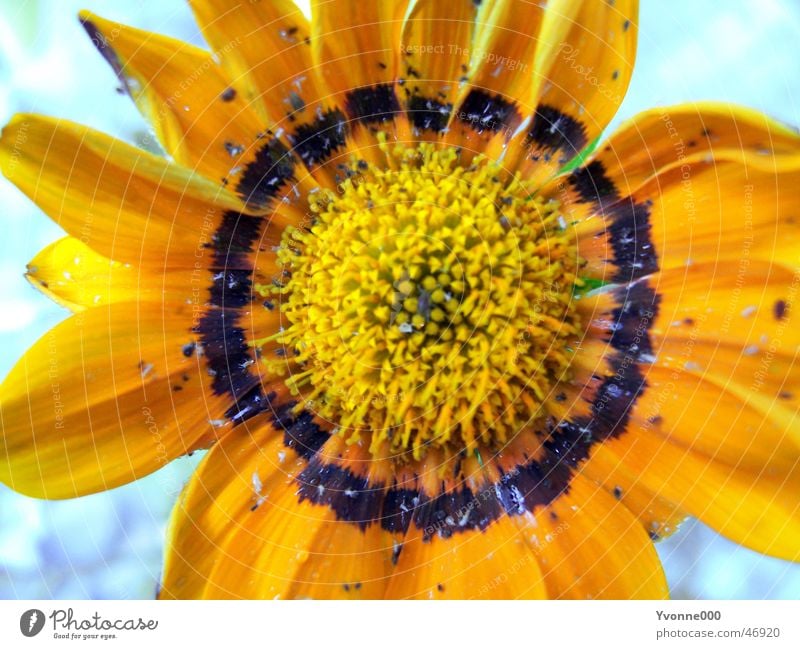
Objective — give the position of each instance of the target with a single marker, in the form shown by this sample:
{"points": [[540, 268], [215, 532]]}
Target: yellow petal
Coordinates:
{"points": [[106, 397], [124, 203], [75, 276]]}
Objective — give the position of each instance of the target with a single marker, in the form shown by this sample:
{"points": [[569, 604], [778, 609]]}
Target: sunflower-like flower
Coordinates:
{"points": [[438, 343]]}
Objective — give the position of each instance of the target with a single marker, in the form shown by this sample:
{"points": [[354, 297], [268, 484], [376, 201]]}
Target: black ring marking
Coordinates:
{"points": [[315, 142], [553, 131], [227, 354], [629, 236], [372, 104], [629, 230], [228, 357], [484, 112], [638, 307], [592, 184], [235, 236], [232, 288], [428, 114], [300, 432], [352, 498], [263, 178]]}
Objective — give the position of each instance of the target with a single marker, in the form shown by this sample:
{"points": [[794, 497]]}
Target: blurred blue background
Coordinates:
{"points": [[110, 545]]}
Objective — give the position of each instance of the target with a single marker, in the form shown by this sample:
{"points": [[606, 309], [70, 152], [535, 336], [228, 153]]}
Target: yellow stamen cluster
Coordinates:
{"points": [[427, 304]]}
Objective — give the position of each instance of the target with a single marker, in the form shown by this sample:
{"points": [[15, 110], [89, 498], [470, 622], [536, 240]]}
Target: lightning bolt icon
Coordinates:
{"points": [[32, 620]]}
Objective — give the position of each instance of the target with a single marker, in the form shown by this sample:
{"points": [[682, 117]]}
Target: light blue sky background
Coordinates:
{"points": [[109, 545]]}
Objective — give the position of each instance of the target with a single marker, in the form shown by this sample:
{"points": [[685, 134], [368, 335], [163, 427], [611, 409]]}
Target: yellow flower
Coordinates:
{"points": [[437, 347]]}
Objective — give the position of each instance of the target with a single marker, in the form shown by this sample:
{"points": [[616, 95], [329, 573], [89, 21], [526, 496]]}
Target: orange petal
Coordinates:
{"points": [[757, 510], [707, 211], [356, 53], [241, 531], [217, 500], [584, 62], [495, 563], [435, 45], [722, 342], [590, 546], [496, 97], [263, 47], [356, 44], [345, 562], [660, 138], [180, 90]]}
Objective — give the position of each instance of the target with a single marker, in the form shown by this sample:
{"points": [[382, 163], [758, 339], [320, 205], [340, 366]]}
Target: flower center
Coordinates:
{"points": [[428, 304]]}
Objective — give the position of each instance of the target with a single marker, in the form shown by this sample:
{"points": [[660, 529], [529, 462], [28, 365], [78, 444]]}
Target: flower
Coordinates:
{"points": [[437, 344]]}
